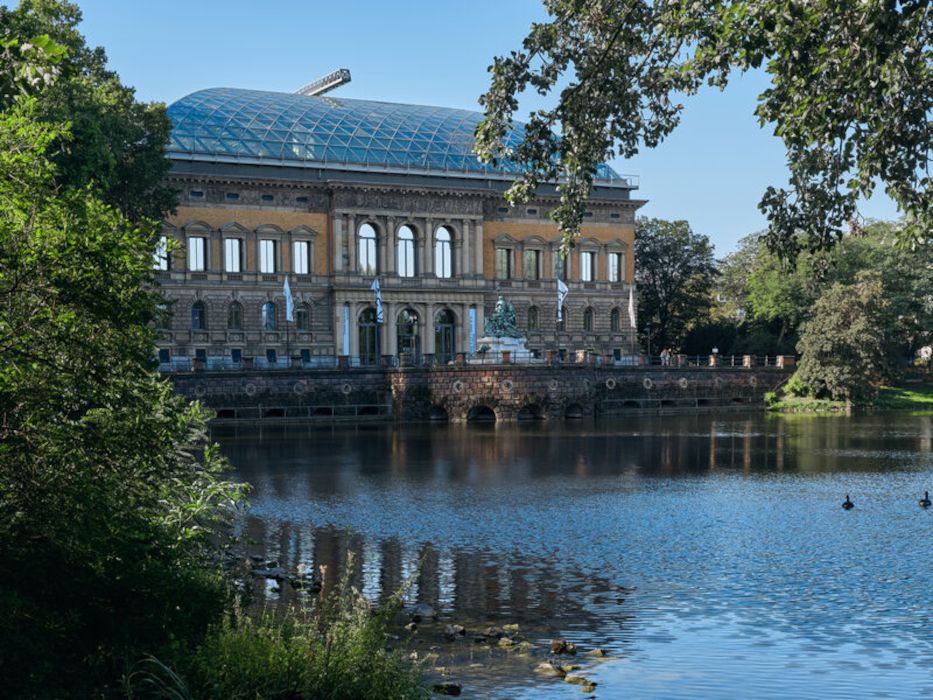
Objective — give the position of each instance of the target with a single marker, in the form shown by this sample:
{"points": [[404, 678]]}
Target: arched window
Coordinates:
{"points": [[407, 332], [405, 252], [562, 322], [444, 336], [268, 316], [198, 316], [614, 322], [532, 318], [366, 258], [235, 316], [588, 319], [443, 260], [368, 329], [303, 317]]}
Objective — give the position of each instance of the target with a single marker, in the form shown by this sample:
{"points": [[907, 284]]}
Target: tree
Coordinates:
{"points": [[675, 277], [851, 96], [110, 494], [115, 144], [846, 342]]}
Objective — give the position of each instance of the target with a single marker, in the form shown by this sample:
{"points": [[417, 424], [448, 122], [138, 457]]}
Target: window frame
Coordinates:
{"points": [[371, 250], [405, 260], [535, 255], [587, 266], [301, 252], [197, 253], [235, 244], [506, 253], [267, 256], [443, 253]]}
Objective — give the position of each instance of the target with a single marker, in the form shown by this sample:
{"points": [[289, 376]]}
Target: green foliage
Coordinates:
{"points": [[844, 344], [117, 144], [111, 500], [675, 276], [334, 649], [851, 94]]}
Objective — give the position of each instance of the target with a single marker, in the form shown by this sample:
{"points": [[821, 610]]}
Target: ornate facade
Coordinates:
{"points": [[332, 193]]}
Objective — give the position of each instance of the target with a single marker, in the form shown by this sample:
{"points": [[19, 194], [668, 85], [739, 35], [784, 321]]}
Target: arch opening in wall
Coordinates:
{"points": [[574, 411], [667, 403], [273, 413], [366, 250], [323, 411], [405, 251], [738, 399], [226, 413], [529, 412], [631, 404], [703, 402], [481, 414], [368, 411], [437, 414], [445, 337]]}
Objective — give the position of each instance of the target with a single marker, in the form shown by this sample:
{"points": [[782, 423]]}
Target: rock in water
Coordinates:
{"points": [[561, 646], [451, 632], [423, 611]]}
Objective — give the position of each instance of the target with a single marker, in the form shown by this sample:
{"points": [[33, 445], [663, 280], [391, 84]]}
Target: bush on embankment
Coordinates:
{"points": [[333, 649]]}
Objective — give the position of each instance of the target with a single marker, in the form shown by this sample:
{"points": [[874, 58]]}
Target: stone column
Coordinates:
{"points": [[390, 309], [429, 246], [391, 247], [420, 243], [427, 340], [339, 234], [457, 254], [354, 330], [478, 247], [462, 341], [467, 266], [381, 244], [351, 242], [480, 322]]}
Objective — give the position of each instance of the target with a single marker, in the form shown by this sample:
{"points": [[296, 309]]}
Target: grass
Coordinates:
{"points": [[895, 398], [333, 648]]}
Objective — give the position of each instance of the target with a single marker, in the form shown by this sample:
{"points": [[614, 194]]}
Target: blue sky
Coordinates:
{"points": [[711, 171]]}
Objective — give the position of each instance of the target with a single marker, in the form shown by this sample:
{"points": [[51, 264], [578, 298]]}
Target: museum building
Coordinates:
{"points": [[332, 193]]}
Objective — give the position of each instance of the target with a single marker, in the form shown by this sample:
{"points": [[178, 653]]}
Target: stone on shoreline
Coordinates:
{"points": [[423, 611], [561, 646], [451, 632], [447, 688]]}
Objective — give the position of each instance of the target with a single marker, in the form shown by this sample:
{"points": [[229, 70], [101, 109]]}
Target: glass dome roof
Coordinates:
{"points": [[253, 126]]}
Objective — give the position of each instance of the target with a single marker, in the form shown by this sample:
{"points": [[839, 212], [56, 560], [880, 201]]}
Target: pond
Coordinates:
{"points": [[707, 555]]}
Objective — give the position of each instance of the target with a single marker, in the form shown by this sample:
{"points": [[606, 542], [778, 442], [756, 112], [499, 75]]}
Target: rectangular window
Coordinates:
{"points": [[503, 263], [271, 356], [587, 265], [615, 267], [197, 254], [232, 248], [236, 355], [266, 256], [301, 257], [160, 257], [530, 262], [164, 356], [305, 355]]}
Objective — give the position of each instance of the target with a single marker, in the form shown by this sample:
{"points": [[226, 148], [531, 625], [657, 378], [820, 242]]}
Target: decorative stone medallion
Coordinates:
{"points": [[647, 383], [610, 383], [458, 387], [507, 385], [346, 388], [683, 383]]}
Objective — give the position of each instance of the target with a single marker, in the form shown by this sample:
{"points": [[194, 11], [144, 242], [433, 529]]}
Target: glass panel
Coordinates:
{"points": [[586, 266], [198, 316], [614, 320], [301, 257], [268, 316], [366, 255], [530, 264], [160, 257], [533, 318], [405, 253], [266, 256], [503, 263], [197, 254], [232, 254], [560, 267], [588, 320], [442, 253], [303, 318]]}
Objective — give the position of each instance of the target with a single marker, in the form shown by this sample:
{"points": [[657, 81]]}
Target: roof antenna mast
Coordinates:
{"points": [[325, 83]]}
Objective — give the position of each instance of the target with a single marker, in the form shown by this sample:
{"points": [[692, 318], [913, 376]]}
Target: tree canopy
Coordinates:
{"points": [[675, 277], [851, 96], [110, 494]]}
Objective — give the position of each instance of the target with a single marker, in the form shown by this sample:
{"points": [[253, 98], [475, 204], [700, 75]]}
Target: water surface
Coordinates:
{"points": [[708, 555]]}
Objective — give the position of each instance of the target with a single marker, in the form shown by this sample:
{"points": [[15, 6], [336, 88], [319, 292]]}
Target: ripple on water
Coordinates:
{"points": [[750, 580]]}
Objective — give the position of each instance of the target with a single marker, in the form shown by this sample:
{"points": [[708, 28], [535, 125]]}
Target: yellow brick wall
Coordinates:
{"points": [[604, 233], [215, 217]]}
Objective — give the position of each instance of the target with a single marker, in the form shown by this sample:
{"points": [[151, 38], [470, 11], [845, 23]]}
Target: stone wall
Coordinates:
{"points": [[505, 392]]}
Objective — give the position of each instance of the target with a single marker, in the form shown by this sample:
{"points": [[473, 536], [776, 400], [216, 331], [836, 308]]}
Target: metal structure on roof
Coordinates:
{"points": [[251, 126], [325, 83]]}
